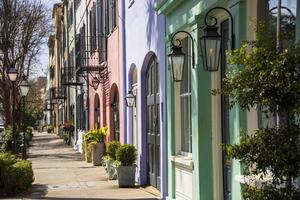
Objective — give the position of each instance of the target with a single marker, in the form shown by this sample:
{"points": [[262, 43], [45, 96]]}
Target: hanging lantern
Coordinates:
{"points": [[24, 87], [211, 49], [12, 73], [95, 83], [176, 61], [130, 99]]}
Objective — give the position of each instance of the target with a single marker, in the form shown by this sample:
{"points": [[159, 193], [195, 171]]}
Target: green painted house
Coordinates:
{"points": [[197, 121]]}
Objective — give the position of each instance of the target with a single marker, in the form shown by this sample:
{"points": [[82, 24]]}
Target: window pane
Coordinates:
{"points": [[185, 100]]}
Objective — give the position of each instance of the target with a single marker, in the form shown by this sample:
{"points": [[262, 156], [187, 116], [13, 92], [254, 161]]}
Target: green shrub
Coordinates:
{"points": [[6, 160], [111, 149], [20, 177], [5, 139], [29, 133], [126, 154], [16, 176], [49, 128]]}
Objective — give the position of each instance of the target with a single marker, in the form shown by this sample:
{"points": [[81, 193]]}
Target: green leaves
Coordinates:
{"points": [[259, 74]]}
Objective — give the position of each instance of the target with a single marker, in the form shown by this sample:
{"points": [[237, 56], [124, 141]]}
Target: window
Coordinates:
{"points": [[112, 14], [70, 15], [183, 104], [93, 31], [101, 29]]}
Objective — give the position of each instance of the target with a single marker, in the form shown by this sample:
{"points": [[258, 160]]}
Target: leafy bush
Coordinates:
{"points": [[262, 75], [16, 176], [20, 177], [49, 128], [29, 133], [96, 135], [111, 149], [126, 154], [6, 139], [6, 160]]}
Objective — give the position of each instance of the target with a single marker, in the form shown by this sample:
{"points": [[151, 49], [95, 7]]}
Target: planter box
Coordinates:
{"points": [[110, 170], [126, 176], [97, 153]]}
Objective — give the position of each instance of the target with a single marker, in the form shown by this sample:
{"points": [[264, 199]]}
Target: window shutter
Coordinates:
{"points": [[110, 15], [99, 22]]}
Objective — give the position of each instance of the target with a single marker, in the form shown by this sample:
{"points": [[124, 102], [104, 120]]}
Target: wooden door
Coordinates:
{"points": [[153, 124]]}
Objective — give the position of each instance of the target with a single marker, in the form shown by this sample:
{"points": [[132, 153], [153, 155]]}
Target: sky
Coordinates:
{"points": [[42, 68]]}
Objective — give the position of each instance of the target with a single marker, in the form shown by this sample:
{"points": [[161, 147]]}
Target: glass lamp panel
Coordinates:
{"points": [[24, 88], [212, 52], [12, 74], [177, 66], [130, 99]]}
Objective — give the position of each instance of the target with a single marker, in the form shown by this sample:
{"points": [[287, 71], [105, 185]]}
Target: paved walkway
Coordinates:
{"points": [[60, 173]]}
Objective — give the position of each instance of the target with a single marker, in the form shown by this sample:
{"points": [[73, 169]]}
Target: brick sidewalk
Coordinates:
{"points": [[60, 173]]}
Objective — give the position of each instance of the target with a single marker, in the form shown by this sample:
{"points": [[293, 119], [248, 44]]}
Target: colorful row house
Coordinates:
{"points": [[197, 121], [167, 55]]}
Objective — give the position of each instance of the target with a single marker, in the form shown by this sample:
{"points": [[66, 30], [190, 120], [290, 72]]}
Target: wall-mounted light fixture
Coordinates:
{"points": [[176, 57], [210, 42], [130, 99]]}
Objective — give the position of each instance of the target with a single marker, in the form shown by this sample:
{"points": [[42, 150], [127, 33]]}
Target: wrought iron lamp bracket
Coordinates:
{"points": [[179, 43], [215, 22]]}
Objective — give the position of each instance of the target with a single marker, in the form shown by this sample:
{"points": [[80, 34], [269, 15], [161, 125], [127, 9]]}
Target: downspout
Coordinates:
{"points": [[124, 72]]}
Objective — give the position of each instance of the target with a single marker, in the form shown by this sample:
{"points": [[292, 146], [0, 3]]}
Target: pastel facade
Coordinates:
{"points": [[197, 122], [55, 67], [145, 76], [106, 104], [177, 128]]}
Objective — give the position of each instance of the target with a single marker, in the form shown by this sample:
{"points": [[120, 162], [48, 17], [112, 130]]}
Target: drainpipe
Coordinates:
{"points": [[124, 72]]}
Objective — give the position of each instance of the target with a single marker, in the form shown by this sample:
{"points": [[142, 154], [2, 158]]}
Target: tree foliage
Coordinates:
{"points": [[24, 26], [261, 75]]}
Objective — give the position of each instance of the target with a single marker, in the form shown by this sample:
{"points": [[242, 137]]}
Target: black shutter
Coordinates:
{"points": [[114, 10], [104, 29], [99, 24], [90, 33], [94, 27], [110, 15]]}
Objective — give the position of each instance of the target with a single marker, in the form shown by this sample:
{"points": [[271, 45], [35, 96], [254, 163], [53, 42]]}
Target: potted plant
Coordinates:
{"points": [[94, 145], [108, 161], [125, 165], [49, 128], [97, 138]]}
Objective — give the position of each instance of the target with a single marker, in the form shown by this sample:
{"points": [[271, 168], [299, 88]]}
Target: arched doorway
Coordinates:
{"points": [[115, 113], [96, 111], [153, 123]]}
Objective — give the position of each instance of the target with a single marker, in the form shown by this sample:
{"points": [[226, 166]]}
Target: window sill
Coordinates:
{"points": [[183, 161]]}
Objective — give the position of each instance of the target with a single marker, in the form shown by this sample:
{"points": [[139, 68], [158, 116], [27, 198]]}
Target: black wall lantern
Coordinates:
{"points": [[177, 57], [130, 99], [210, 42], [95, 83]]}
